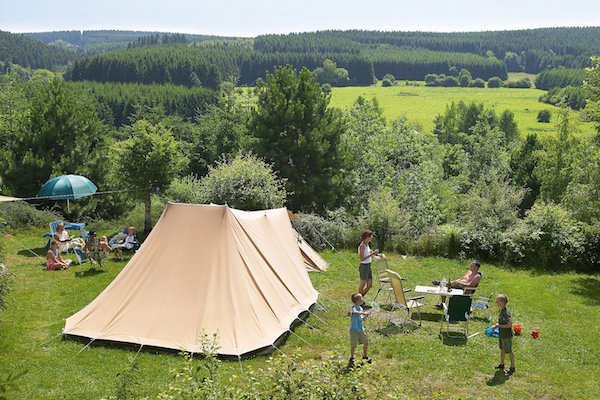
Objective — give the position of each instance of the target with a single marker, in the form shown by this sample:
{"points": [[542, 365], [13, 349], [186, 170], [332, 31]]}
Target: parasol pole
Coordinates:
{"points": [[68, 207]]}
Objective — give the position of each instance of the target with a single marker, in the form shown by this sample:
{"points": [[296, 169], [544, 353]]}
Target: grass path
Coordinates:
{"points": [[562, 364]]}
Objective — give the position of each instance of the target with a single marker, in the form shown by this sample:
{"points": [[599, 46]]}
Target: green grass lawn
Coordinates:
{"points": [[563, 363], [421, 104]]}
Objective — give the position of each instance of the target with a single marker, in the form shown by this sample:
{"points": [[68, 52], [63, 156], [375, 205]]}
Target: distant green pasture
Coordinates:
{"points": [[421, 103]]}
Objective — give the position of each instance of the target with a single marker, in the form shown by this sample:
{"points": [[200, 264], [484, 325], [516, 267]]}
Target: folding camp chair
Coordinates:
{"points": [[401, 302], [81, 257], [483, 303], [456, 311], [385, 282]]}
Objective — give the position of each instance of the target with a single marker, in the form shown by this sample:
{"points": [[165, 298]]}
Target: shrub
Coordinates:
{"points": [[494, 82], [18, 214], [479, 83], [322, 233], [383, 216], [450, 81], [185, 189], [524, 83], [544, 116], [386, 83], [284, 378], [245, 182], [443, 241], [550, 237], [430, 79], [389, 77]]}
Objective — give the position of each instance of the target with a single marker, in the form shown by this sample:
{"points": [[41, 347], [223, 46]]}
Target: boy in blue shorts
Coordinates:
{"points": [[357, 332], [505, 332]]}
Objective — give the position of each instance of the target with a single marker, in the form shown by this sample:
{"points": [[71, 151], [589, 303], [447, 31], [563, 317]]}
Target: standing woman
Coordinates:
{"points": [[364, 254]]}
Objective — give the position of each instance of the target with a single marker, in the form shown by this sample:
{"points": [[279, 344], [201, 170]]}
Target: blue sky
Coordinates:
{"points": [[254, 17]]}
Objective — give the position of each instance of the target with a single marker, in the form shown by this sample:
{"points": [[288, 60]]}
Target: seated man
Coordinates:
{"points": [[63, 240], [125, 244], [470, 280]]}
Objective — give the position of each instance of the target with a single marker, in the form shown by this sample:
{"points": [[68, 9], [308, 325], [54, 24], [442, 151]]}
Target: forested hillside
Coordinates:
{"points": [[101, 41], [30, 53], [529, 50]]}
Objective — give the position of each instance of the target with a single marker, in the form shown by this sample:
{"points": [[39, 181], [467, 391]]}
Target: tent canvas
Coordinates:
{"points": [[312, 259], [205, 268]]}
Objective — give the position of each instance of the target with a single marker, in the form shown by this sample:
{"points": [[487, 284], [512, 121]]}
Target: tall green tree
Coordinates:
{"points": [[61, 136], [150, 158], [299, 134]]}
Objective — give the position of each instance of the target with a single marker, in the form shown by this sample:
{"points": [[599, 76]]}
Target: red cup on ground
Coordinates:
{"points": [[517, 328], [535, 333]]}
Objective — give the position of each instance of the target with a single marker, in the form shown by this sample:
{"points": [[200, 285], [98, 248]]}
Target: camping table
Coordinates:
{"points": [[436, 290]]}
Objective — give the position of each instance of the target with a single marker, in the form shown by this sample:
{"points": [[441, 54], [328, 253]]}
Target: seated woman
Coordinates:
{"points": [[64, 241], [127, 243], [53, 259], [96, 249]]}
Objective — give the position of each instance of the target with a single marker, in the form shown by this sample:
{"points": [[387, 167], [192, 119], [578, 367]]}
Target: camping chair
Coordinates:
{"points": [[401, 302], [50, 235], [81, 257], [470, 290], [483, 303], [384, 279], [457, 310]]}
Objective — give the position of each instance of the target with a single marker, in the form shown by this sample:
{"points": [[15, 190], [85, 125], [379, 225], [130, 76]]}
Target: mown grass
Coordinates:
{"points": [[420, 104], [563, 363]]}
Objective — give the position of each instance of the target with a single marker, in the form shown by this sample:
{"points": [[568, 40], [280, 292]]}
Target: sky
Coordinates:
{"points": [[254, 17]]}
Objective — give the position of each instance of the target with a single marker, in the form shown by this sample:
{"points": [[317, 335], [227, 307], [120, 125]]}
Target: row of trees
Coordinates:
{"points": [[530, 50], [210, 64], [559, 78]]}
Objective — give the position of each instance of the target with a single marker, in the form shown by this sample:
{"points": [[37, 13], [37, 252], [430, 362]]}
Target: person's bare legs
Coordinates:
{"points": [[502, 357], [368, 287], [365, 350], [361, 287], [512, 360], [352, 351]]}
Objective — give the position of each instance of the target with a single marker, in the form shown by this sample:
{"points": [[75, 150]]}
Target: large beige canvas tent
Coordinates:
{"points": [[205, 268]]}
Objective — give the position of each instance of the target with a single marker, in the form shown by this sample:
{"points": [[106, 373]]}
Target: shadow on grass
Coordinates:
{"points": [[497, 379], [589, 289], [435, 317], [456, 340], [40, 251], [393, 328], [89, 272]]}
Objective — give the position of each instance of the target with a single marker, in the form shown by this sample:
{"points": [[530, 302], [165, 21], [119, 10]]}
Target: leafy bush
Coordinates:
{"points": [[386, 83], [574, 97], [245, 182], [284, 378], [479, 83], [335, 230], [18, 214], [383, 216], [443, 241], [389, 77], [544, 116], [550, 237], [186, 189], [494, 82], [524, 83]]}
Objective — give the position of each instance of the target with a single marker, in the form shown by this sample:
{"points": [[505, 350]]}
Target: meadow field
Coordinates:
{"points": [[421, 103], [563, 363]]}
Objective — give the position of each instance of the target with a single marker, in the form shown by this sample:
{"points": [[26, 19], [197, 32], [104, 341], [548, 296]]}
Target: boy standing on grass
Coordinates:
{"points": [[504, 326], [357, 332]]}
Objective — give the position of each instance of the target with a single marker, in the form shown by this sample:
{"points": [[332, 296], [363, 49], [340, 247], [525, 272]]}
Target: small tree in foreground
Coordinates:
{"points": [[149, 159]]}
